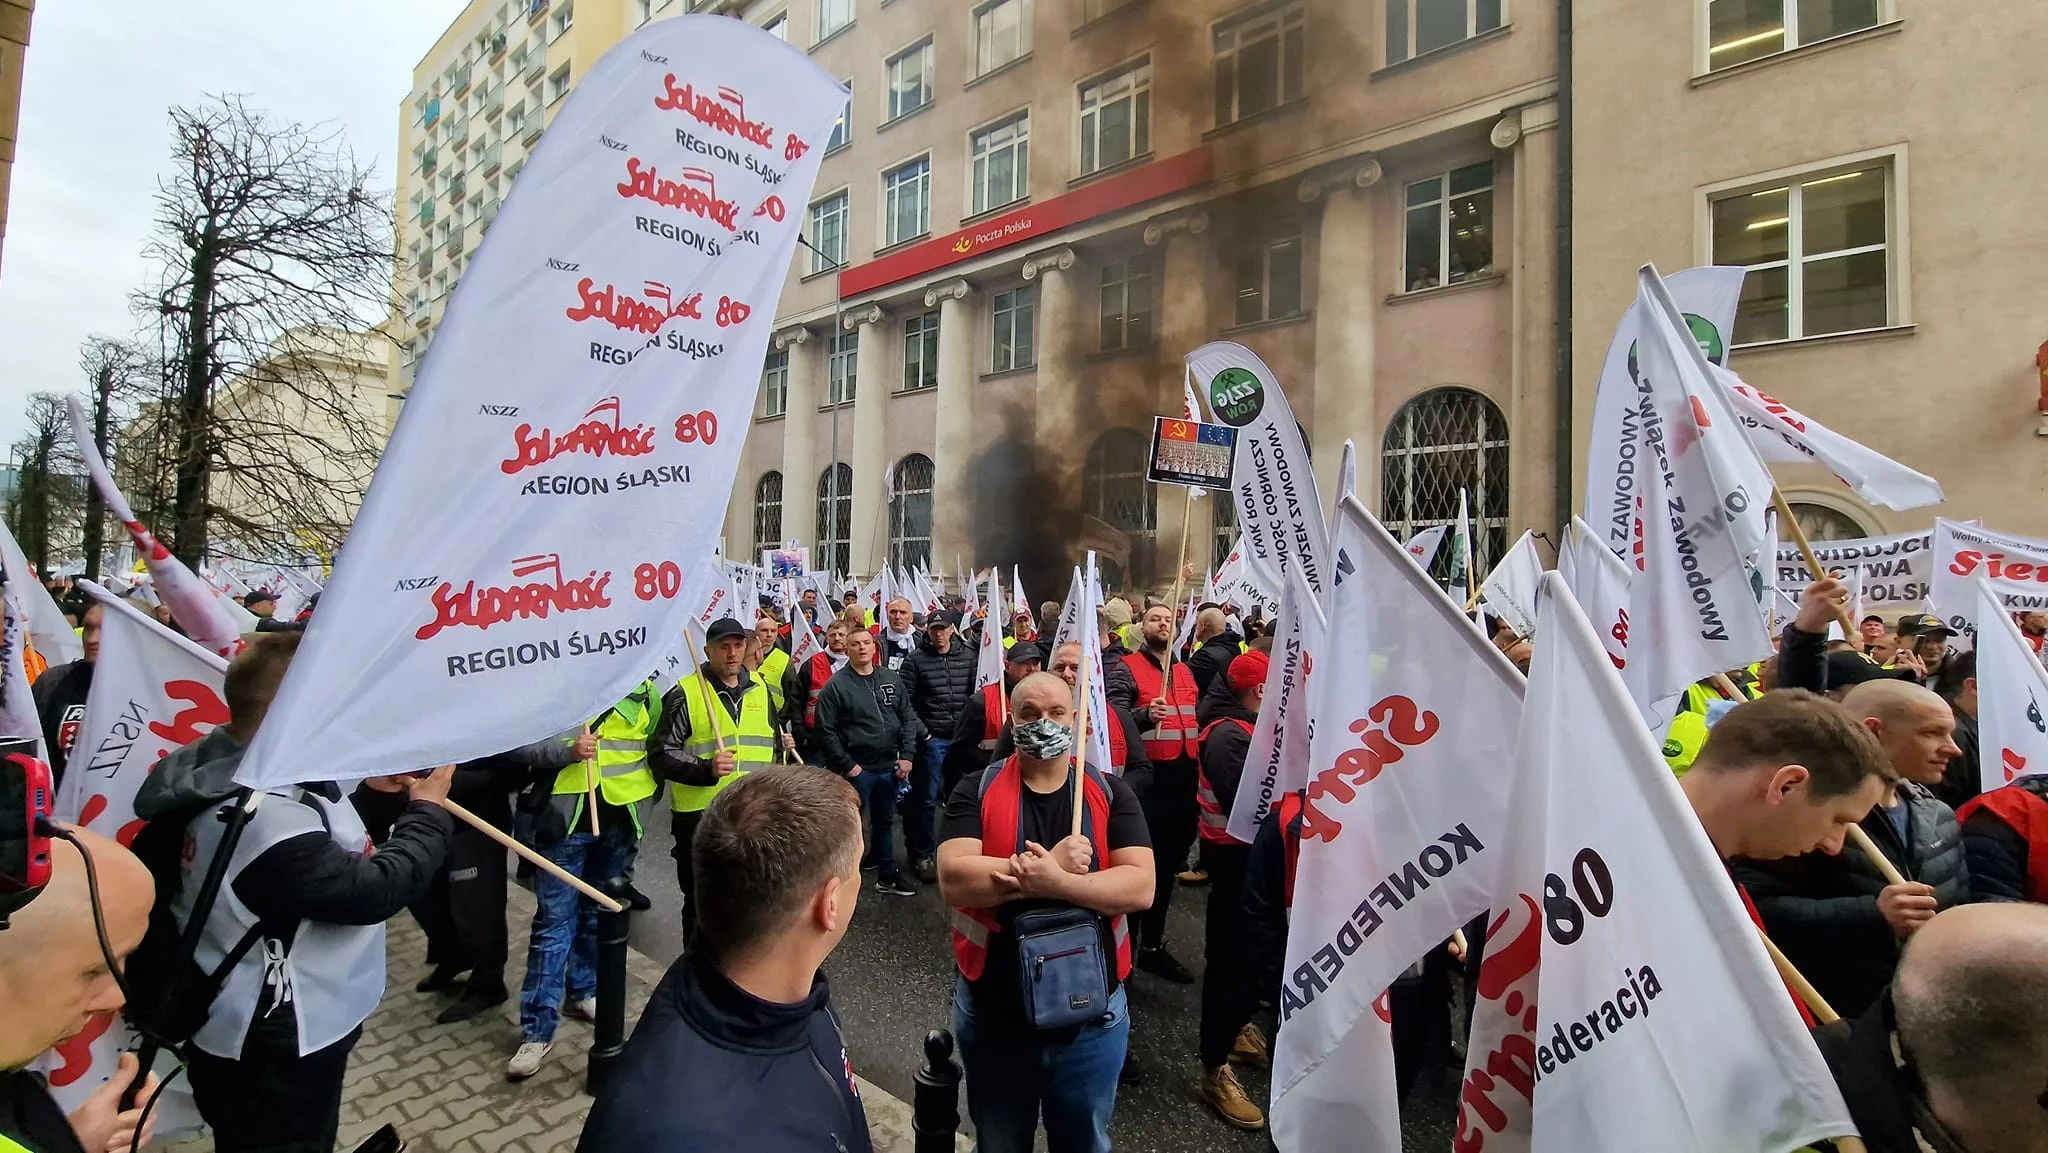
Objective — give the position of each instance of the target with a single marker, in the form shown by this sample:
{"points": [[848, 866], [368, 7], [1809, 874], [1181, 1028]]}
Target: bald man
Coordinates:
{"points": [[1833, 914], [53, 981], [1215, 647], [1968, 1016]]}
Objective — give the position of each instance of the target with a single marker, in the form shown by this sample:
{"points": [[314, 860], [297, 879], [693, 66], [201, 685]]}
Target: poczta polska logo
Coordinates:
{"points": [[1237, 397]]}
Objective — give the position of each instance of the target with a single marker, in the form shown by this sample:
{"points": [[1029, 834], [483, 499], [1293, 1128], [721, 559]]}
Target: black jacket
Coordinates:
{"points": [[1224, 750], [939, 682], [865, 721], [1265, 901], [59, 695], [1209, 661], [32, 1118], [1886, 1103], [1963, 780], [1998, 854], [1802, 659], [1822, 910], [711, 1068], [1118, 685], [667, 749]]}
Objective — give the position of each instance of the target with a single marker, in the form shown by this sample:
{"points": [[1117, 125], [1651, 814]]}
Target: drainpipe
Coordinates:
{"points": [[1565, 399]]}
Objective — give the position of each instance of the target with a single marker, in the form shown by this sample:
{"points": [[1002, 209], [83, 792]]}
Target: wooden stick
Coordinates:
{"points": [[1727, 687], [1081, 742], [590, 787], [1878, 860], [1813, 565], [530, 857], [1815, 1003], [710, 703]]}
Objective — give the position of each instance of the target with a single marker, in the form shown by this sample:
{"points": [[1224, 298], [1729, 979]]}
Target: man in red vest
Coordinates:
{"points": [[994, 867], [804, 683], [2005, 837], [1171, 746], [1228, 996]]}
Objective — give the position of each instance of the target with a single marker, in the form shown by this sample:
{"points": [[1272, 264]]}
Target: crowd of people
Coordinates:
{"points": [[787, 776]]}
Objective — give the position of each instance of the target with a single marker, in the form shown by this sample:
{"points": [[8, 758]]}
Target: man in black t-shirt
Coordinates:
{"points": [[993, 865]]}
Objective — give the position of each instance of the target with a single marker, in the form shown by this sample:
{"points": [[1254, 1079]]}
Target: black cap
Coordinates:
{"points": [[1923, 625], [946, 617], [722, 628], [1872, 617], [1850, 668], [256, 598], [1024, 652]]}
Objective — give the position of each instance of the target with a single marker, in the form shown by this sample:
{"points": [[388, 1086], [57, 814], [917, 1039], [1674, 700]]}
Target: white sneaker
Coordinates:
{"points": [[526, 1062], [583, 1010]]}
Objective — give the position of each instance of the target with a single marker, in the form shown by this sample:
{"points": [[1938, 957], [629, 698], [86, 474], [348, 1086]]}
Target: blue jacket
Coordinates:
{"points": [[711, 1068]]}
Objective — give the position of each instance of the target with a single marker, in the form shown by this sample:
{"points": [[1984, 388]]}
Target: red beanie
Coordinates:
{"points": [[1247, 670]]}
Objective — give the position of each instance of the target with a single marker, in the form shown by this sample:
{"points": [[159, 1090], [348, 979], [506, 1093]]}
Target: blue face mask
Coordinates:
{"points": [[1044, 739]]}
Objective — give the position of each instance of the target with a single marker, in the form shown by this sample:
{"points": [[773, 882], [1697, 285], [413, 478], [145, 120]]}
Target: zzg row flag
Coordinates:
{"points": [[568, 449], [1278, 508]]}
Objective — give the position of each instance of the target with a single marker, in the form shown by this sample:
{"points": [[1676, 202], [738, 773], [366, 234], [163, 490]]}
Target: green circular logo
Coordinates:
{"points": [[1236, 397], [1704, 334]]}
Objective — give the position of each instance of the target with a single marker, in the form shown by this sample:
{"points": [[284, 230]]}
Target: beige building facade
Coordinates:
{"points": [[15, 17], [1864, 159]]}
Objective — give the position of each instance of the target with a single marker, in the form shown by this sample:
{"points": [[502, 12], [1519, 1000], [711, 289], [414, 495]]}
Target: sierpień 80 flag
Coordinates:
{"points": [[567, 451]]}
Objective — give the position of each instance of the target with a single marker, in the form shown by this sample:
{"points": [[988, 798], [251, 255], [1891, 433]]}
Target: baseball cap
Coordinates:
{"points": [[722, 628], [1117, 612], [1846, 669], [1872, 617], [256, 598], [946, 617], [1249, 669], [1923, 625], [1024, 652]]}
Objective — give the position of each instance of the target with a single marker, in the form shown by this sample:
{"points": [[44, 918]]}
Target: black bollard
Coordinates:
{"points": [[935, 1106], [610, 1033]]}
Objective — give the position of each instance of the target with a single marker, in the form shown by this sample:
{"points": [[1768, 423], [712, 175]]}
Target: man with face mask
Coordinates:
{"points": [[994, 867]]}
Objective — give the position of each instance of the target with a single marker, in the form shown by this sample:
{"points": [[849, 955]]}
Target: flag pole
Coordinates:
{"points": [[1878, 860], [1813, 565], [1817, 1004], [590, 784], [1081, 736], [717, 729], [530, 857]]}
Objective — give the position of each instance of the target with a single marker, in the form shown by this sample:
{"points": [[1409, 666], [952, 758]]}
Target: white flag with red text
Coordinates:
{"points": [[988, 661], [1423, 546], [46, 624], [18, 716], [1509, 591], [1408, 776], [1017, 594], [1599, 581], [1784, 435], [2016, 567], [2012, 697], [1625, 1002], [152, 691], [1276, 761], [518, 566]]}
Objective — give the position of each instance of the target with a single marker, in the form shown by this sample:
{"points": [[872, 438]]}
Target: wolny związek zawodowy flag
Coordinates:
{"points": [[152, 691], [1276, 761], [1509, 591], [519, 564], [1625, 1002], [1407, 795], [1617, 466], [988, 661], [2012, 697], [2016, 567], [1692, 609], [1784, 435], [1599, 581], [1088, 623], [1278, 509]]}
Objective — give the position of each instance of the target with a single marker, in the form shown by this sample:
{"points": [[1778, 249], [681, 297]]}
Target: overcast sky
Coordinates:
{"points": [[100, 78]]}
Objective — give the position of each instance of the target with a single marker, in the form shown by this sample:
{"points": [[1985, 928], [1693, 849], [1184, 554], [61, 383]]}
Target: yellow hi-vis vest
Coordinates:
{"points": [[620, 768], [774, 667], [1688, 731], [751, 739]]}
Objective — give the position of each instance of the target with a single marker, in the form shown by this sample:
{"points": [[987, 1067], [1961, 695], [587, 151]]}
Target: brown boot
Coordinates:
{"points": [[1221, 1090], [1193, 877], [1250, 1048]]}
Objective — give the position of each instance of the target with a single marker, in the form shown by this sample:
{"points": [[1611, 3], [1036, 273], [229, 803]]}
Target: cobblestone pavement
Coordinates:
{"points": [[444, 1086]]}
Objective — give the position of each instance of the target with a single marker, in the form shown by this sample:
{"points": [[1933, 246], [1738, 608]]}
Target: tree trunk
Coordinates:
{"points": [[35, 543], [95, 513], [188, 507]]}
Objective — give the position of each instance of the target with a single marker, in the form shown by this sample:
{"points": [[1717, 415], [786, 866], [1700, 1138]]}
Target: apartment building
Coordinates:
{"points": [[15, 16], [1860, 157]]}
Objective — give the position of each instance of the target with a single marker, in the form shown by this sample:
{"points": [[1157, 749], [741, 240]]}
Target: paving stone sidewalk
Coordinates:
{"points": [[444, 1086]]}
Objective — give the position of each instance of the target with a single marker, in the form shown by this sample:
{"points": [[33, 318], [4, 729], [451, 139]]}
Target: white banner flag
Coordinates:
{"points": [[1599, 581], [1692, 610], [2012, 697], [988, 666], [1278, 509], [1017, 593], [1509, 591], [1089, 623], [46, 625], [2016, 567], [1626, 1002], [152, 691], [804, 642], [519, 563], [1898, 571], [18, 717], [1423, 546], [194, 604], [1407, 793], [1276, 761], [1617, 467], [1784, 435], [1235, 584]]}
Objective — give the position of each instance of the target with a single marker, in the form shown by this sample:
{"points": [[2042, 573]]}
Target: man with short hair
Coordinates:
{"points": [[1832, 912], [868, 734], [994, 867], [1170, 814], [59, 695], [1955, 1056], [2034, 627], [1870, 631], [983, 719], [738, 1047], [301, 914], [1215, 647], [1785, 774], [54, 982], [771, 661], [804, 683], [1925, 637], [939, 675], [260, 604], [898, 635], [1957, 685]]}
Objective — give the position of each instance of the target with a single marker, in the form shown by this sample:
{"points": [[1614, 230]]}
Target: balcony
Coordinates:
{"points": [[536, 65], [419, 312], [424, 266], [433, 113], [462, 79], [430, 161], [427, 213], [490, 212], [494, 102], [533, 127], [497, 47], [535, 10], [457, 185], [458, 131], [488, 157], [454, 245]]}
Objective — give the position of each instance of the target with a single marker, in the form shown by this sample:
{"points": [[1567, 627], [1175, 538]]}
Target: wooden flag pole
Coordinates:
{"points": [[1187, 513], [590, 786], [1878, 860], [1727, 687], [717, 727], [1790, 523], [1815, 1003], [1081, 741], [530, 857]]}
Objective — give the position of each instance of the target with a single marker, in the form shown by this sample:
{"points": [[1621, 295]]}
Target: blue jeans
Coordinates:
{"points": [[920, 809], [564, 940], [1010, 1082], [877, 789]]}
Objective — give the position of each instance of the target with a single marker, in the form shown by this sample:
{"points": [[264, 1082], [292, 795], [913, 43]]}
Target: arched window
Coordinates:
{"points": [[1825, 522], [1114, 491], [835, 519], [767, 513], [1443, 442], [910, 512]]}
